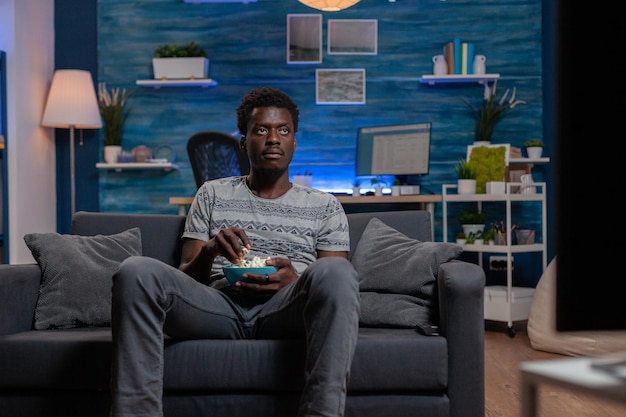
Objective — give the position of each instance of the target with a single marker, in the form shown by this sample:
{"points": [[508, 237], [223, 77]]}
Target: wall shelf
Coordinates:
{"points": [[542, 160], [122, 166], [196, 82], [458, 78]]}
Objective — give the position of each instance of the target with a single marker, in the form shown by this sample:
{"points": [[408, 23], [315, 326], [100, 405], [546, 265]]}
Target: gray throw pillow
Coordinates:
{"points": [[76, 276], [389, 264]]}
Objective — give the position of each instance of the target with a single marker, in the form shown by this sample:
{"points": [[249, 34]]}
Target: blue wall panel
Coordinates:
{"points": [[247, 48]]}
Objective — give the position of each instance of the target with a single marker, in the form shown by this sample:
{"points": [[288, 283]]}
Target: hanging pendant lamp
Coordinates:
{"points": [[329, 5]]}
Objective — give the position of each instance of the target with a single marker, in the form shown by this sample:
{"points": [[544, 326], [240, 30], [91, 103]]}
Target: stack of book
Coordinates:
{"points": [[459, 56]]}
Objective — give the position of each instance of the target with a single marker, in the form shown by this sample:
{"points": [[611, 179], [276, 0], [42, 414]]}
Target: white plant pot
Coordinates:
{"points": [[378, 191], [112, 153], [180, 68], [534, 152], [356, 191], [472, 228], [395, 190], [466, 186]]}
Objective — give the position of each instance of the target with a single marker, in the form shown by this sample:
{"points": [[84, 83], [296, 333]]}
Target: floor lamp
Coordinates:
{"points": [[72, 104]]}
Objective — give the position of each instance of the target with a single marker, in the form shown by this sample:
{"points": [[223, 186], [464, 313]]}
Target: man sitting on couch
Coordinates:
{"points": [[314, 295]]}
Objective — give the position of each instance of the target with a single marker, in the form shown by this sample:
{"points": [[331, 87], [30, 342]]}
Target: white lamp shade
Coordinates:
{"points": [[329, 5], [72, 101]]}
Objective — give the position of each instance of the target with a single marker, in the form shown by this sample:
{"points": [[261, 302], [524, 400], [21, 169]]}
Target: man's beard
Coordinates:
{"points": [[271, 172]]}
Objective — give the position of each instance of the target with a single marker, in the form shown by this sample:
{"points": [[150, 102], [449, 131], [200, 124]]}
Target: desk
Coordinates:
{"points": [[576, 374], [426, 201]]}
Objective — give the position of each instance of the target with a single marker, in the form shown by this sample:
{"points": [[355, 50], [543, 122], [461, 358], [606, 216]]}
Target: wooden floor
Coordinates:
{"points": [[503, 355]]}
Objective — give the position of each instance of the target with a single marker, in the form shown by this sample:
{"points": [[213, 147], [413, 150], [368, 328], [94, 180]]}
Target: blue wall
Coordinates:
{"points": [[247, 48]]}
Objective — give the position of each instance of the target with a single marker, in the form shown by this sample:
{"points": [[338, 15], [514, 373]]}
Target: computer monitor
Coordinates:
{"points": [[400, 150]]}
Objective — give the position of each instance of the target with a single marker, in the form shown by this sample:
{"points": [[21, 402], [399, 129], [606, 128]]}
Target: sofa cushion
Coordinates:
{"points": [[75, 288], [405, 361], [397, 275]]}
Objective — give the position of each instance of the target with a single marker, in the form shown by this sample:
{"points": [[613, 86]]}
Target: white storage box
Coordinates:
{"points": [[498, 308], [498, 293]]}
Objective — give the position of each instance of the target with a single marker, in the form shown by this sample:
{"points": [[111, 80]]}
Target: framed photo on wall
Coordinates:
{"points": [[304, 38], [340, 86], [352, 36]]}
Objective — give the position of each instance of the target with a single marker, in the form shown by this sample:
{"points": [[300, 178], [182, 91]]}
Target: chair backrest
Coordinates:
{"points": [[214, 155]]}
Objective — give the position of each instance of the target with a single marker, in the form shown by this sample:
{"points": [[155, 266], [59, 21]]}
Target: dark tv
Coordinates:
{"points": [[589, 246], [400, 150]]}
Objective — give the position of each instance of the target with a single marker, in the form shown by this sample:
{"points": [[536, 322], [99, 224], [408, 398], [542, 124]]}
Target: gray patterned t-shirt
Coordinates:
{"points": [[295, 225]]}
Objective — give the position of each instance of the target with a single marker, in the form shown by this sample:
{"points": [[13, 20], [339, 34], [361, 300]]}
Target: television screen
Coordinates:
{"points": [[402, 149], [590, 273]]}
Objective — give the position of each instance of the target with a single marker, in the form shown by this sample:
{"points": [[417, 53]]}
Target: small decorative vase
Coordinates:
{"points": [[534, 152], [112, 153], [378, 191], [356, 191]]}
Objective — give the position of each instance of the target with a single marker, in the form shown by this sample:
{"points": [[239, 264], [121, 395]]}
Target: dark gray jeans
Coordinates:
{"points": [[151, 298]]}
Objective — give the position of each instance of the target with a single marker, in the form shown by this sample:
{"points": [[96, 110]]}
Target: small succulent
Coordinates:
{"points": [[533, 142]]}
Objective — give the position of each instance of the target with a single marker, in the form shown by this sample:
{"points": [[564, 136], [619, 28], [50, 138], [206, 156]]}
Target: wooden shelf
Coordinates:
{"points": [[122, 166], [197, 82], [458, 78]]}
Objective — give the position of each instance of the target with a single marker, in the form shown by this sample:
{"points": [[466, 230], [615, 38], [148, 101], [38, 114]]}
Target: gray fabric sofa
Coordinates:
{"points": [[396, 371]]}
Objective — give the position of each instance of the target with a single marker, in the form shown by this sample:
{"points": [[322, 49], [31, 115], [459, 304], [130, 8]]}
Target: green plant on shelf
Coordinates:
{"points": [[533, 143], [465, 170], [472, 217], [189, 50]]}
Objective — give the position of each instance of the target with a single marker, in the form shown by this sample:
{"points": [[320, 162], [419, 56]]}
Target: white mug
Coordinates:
{"points": [[479, 66], [440, 66]]}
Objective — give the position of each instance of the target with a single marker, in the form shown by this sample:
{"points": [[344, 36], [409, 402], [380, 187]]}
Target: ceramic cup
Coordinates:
{"points": [[479, 66], [440, 66]]}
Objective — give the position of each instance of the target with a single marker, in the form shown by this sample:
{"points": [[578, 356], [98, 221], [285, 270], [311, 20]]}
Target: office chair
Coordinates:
{"points": [[215, 155]]}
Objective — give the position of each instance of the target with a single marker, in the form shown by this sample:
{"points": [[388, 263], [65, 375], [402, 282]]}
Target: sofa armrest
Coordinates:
{"points": [[461, 320], [19, 289]]}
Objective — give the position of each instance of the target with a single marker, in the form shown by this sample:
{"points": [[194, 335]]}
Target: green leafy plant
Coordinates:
{"points": [[465, 170], [472, 217], [378, 182], [356, 183], [114, 113], [490, 111], [461, 235], [488, 234], [188, 50], [533, 142]]}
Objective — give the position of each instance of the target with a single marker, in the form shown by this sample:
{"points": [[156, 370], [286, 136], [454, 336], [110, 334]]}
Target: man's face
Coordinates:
{"points": [[270, 141]]}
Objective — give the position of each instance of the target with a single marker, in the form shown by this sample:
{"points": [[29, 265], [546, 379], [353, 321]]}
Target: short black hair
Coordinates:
{"points": [[265, 97]]}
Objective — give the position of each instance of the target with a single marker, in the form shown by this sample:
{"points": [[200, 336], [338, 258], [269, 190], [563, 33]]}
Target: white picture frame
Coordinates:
{"points": [[352, 37], [340, 86], [304, 38]]}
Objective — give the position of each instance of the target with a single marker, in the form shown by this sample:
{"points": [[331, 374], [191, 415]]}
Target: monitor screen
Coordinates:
{"points": [[402, 149]]}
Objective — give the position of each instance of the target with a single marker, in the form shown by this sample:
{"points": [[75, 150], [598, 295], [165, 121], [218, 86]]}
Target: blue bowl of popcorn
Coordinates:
{"points": [[234, 273]]}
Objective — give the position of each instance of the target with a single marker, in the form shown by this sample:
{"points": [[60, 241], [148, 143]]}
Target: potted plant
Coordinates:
{"points": [[378, 184], [461, 239], [472, 221], [467, 173], [534, 148], [356, 188], [112, 105], [490, 111], [395, 187], [173, 61], [488, 236]]}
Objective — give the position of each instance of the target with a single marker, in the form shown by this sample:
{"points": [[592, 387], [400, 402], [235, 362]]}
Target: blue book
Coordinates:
{"points": [[470, 57], [457, 55]]}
